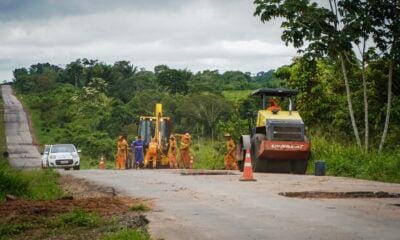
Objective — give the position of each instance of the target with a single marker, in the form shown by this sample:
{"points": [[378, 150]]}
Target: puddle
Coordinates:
{"points": [[317, 194]]}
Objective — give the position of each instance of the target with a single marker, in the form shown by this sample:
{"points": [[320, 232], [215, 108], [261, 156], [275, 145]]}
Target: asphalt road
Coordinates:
{"points": [[22, 152], [221, 207]]}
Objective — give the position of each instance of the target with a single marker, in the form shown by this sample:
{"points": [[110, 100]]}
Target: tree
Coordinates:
{"points": [[326, 31], [75, 73], [174, 81], [206, 109], [386, 33]]}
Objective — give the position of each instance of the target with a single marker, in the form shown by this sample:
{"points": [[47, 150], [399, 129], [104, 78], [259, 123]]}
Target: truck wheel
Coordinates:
{"points": [[77, 167]]}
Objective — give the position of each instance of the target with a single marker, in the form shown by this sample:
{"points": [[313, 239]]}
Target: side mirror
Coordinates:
{"points": [[41, 153], [79, 151]]}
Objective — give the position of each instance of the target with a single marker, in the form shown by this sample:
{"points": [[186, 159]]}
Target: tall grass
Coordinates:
{"points": [[208, 155], [31, 185], [349, 161], [128, 234]]}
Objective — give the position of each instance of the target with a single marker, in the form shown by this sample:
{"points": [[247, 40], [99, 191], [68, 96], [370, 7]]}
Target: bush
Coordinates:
{"points": [[33, 185], [208, 156], [350, 161], [12, 182]]}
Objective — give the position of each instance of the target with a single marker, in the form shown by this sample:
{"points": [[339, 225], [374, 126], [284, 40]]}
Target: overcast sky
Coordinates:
{"points": [[193, 34]]}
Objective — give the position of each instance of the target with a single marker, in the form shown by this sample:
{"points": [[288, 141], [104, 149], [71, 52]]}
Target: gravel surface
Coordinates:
{"points": [[221, 207], [22, 152]]}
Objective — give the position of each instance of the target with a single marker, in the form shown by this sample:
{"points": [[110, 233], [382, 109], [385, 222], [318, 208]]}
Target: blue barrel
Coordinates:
{"points": [[320, 168]]}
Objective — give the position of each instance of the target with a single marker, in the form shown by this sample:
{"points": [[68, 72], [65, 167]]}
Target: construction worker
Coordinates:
{"points": [[172, 150], [273, 105], [151, 154], [122, 153], [230, 161], [185, 150], [137, 150]]}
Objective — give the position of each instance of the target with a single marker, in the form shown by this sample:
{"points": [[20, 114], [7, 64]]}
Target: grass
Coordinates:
{"points": [[127, 234], [7, 230], [74, 224], [79, 218], [350, 161], [208, 155], [139, 208], [30, 185]]}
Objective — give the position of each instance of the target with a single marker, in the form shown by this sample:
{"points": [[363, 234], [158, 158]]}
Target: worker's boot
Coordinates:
{"points": [[154, 164]]}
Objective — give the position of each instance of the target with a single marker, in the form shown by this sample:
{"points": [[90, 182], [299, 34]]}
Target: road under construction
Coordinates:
{"points": [[215, 205]]}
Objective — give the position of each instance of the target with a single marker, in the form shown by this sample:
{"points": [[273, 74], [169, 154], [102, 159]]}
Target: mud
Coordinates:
{"points": [[318, 194]]}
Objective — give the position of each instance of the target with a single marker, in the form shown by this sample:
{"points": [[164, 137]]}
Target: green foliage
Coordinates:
{"points": [[174, 81], [43, 184], [128, 234], [349, 161], [139, 208], [90, 103], [33, 185], [11, 182], [236, 96], [9, 229], [208, 155], [79, 218]]}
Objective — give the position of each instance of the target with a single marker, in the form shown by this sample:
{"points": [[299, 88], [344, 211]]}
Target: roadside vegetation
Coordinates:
{"points": [[349, 92], [35, 208], [32, 185], [89, 103]]}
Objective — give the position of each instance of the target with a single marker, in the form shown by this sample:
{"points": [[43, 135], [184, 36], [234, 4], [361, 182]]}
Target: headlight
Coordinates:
{"points": [[74, 154], [52, 157]]}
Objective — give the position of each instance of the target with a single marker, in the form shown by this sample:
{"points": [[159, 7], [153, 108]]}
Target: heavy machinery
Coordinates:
{"points": [[158, 127], [277, 143]]}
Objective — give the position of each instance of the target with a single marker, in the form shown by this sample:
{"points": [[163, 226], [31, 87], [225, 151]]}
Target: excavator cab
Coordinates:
{"points": [[158, 127], [277, 142]]}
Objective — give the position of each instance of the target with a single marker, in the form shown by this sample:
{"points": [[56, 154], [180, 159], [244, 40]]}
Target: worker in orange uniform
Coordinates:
{"points": [[185, 150], [122, 153], [230, 161], [172, 150], [273, 105], [151, 154]]}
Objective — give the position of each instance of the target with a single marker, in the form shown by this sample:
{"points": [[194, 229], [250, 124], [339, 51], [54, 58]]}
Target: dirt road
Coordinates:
{"points": [[22, 153], [221, 207]]}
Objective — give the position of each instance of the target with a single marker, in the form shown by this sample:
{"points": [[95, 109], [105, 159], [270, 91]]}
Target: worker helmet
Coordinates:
{"points": [[227, 135]]}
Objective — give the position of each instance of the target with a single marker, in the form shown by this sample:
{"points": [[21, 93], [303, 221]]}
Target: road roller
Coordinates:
{"points": [[277, 142]]}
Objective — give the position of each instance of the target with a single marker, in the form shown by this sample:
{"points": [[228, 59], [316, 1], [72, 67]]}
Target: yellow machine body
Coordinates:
{"points": [[264, 115]]}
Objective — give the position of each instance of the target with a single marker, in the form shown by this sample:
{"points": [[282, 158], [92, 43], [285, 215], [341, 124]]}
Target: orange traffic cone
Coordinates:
{"points": [[102, 163], [248, 169]]}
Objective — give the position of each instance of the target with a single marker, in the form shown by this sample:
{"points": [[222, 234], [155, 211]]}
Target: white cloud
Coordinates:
{"points": [[198, 34]]}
